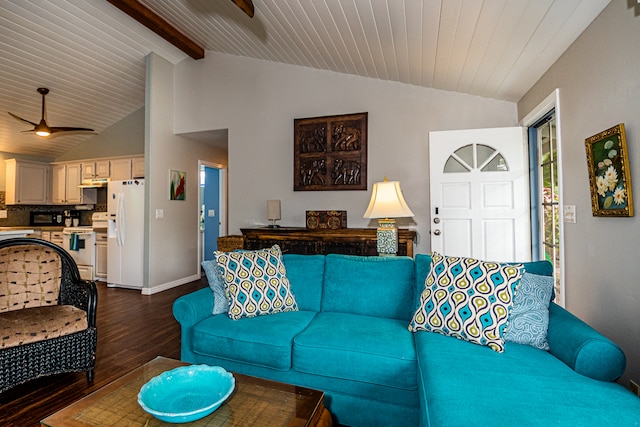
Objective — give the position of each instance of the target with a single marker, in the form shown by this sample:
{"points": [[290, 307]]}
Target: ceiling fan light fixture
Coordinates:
{"points": [[42, 129]]}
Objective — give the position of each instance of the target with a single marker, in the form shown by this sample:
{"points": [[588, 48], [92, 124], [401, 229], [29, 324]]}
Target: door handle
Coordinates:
{"points": [[436, 232], [436, 220]]}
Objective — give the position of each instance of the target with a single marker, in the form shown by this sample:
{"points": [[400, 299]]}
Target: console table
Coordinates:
{"points": [[298, 240]]}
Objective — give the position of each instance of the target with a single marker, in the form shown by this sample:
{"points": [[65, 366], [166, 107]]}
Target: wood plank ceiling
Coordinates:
{"points": [[91, 55]]}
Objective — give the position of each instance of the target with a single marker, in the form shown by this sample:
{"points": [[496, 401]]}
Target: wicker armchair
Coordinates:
{"points": [[47, 313]]}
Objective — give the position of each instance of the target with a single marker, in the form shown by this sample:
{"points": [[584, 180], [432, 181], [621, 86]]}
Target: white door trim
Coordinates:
{"points": [[222, 201], [550, 102]]}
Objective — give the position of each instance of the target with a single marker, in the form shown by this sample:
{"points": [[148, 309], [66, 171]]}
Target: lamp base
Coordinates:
{"points": [[387, 237], [273, 224]]}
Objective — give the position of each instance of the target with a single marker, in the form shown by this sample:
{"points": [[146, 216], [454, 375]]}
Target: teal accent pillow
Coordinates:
{"points": [[468, 299], [530, 314], [220, 303], [256, 282]]}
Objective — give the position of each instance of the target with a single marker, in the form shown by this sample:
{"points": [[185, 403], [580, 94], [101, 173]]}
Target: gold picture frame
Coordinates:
{"points": [[609, 173]]}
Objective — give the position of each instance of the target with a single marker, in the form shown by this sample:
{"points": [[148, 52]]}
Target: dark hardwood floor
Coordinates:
{"points": [[132, 329]]}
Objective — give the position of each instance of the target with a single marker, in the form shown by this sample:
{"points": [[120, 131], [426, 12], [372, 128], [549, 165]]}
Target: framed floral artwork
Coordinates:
{"points": [[609, 175], [177, 185]]}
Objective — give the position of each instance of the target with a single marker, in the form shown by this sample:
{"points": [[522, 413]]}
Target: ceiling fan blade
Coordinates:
{"points": [[22, 120], [70, 129], [245, 5]]}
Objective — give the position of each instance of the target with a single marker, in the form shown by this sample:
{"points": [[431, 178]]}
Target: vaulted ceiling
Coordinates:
{"points": [[91, 55]]}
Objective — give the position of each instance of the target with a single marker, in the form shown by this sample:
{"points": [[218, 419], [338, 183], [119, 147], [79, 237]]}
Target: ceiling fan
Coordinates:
{"points": [[43, 129], [246, 6]]}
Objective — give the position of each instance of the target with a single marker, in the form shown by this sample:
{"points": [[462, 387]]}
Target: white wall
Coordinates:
{"points": [[124, 138], [257, 102], [172, 242], [599, 87]]}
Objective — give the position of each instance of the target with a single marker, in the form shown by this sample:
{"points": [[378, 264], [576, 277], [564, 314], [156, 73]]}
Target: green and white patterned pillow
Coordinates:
{"points": [[468, 299], [256, 282]]}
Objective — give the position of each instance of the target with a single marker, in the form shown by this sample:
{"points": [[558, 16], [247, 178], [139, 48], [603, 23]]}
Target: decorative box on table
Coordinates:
{"points": [[332, 220]]}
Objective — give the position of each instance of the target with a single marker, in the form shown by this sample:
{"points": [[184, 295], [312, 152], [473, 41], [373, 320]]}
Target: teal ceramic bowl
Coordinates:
{"points": [[187, 393]]}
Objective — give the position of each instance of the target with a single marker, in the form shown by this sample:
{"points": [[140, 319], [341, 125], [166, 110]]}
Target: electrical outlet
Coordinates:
{"points": [[159, 213], [634, 387], [3, 213]]}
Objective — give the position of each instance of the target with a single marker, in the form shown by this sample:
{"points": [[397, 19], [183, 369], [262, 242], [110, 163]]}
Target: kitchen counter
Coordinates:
{"points": [[10, 234], [32, 227]]}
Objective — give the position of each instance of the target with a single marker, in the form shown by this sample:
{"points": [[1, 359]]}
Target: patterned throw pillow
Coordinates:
{"points": [[530, 314], [220, 302], [468, 299], [256, 282]]}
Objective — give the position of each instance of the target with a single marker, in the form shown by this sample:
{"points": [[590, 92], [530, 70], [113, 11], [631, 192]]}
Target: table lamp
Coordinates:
{"points": [[387, 203], [273, 212]]}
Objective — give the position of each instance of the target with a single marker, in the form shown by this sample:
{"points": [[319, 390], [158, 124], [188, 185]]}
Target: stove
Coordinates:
{"points": [[80, 242]]}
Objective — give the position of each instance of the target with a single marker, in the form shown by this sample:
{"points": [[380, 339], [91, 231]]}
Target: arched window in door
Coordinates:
{"points": [[475, 156]]}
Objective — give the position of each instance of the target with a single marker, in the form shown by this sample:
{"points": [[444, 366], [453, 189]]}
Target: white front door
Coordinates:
{"points": [[480, 194]]}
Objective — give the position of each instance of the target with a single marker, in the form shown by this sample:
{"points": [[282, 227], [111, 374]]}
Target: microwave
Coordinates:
{"points": [[46, 218]]}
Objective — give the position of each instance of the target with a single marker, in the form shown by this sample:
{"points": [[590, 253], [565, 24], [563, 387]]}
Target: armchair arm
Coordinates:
{"points": [[582, 348], [82, 294]]}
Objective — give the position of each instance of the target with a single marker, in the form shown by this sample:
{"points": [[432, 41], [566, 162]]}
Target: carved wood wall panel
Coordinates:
{"points": [[330, 153]]}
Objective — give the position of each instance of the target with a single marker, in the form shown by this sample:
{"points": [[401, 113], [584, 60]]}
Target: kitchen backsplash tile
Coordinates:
{"points": [[19, 215]]}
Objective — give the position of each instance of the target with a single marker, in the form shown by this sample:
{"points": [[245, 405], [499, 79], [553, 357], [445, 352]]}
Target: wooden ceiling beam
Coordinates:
{"points": [[158, 25]]}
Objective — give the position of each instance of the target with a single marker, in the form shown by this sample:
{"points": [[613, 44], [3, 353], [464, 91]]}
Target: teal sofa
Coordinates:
{"points": [[350, 338]]}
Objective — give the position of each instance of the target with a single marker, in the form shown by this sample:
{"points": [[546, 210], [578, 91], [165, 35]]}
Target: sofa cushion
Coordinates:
{"points": [[468, 299], [256, 282], [264, 341], [468, 385], [530, 314], [359, 348], [306, 276], [216, 283], [379, 286], [19, 327]]}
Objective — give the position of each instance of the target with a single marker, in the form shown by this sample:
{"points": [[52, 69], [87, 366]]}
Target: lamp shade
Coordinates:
{"points": [[273, 210], [387, 201]]}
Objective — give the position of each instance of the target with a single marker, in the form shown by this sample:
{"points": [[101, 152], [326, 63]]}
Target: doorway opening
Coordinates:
{"points": [[212, 200]]}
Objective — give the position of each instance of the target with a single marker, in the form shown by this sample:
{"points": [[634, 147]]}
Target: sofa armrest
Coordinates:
{"points": [[582, 348], [191, 308]]}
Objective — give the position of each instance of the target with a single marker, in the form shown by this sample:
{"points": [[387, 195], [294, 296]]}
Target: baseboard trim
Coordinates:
{"points": [[170, 285]]}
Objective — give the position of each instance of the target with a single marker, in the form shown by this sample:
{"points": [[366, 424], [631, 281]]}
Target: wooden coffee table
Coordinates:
{"points": [[254, 402]]}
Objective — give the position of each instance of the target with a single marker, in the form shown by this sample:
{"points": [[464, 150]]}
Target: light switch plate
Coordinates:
{"points": [[570, 214], [159, 213], [211, 213]]}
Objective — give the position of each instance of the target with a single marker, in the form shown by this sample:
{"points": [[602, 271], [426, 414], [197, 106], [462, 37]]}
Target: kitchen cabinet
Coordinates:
{"points": [[26, 183], [96, 169], [66, 179], [101, 256], [120, 169], [57, 238], [137, 167]]}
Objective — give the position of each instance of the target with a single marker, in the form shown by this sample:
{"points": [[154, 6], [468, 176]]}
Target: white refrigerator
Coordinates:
{"points": [[125, 238]]}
